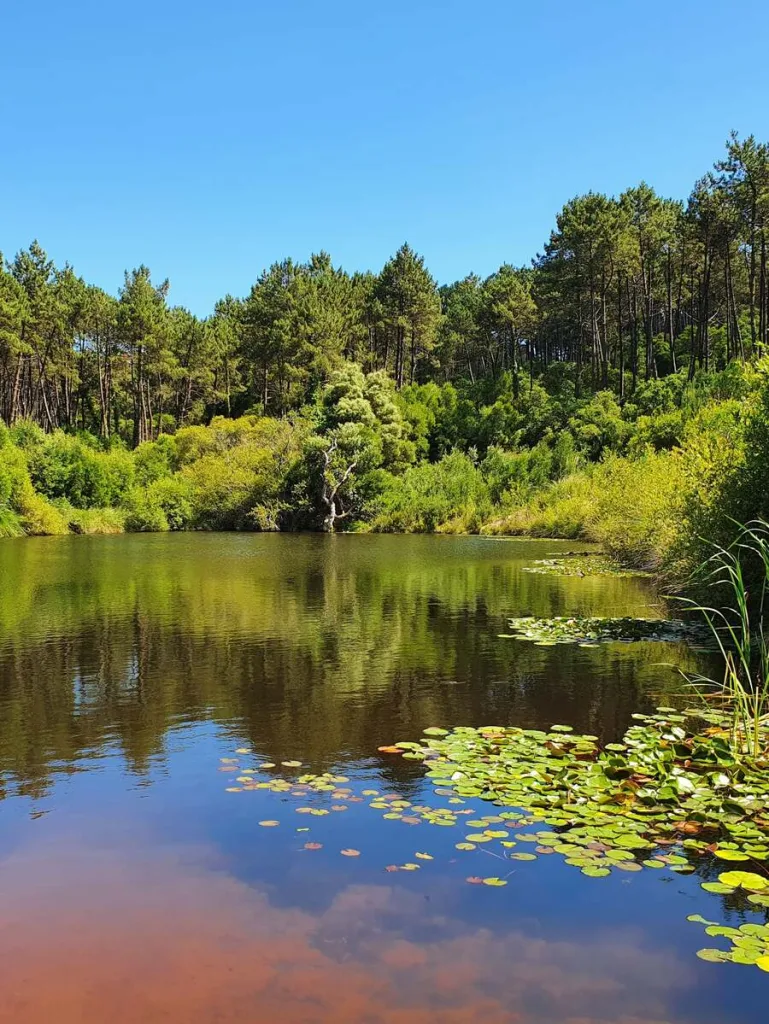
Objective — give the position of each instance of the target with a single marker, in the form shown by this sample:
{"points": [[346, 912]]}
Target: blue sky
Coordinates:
{"points": [[209, 139]]}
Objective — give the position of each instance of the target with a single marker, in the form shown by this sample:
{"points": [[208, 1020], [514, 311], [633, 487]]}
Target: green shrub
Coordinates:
{"points": [[432, 495], [65, 466], [10, 523], [226, 485], [22, 505], [560, 510], [154, 460], [93, 520], [661, 432], [26, 435], [175, 496], [38, 516], [598, 426], [628, 506], [144, 513], [635, 503]]}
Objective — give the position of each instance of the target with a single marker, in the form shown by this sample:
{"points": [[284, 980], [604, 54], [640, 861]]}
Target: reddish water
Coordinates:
{"points": [[151, 935]]}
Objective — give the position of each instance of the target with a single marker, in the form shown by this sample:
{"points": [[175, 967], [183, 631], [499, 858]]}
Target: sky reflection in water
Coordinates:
{"points": [[134, 888]]}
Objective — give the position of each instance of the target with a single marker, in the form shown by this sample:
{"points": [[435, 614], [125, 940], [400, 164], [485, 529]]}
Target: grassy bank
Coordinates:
{"points": [[646, 479]]}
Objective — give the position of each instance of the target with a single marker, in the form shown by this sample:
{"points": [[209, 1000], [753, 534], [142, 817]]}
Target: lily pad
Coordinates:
{"points": [[744, 880]]}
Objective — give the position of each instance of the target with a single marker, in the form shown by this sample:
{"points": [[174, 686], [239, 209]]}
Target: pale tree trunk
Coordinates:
{"points": [[330, 493]]}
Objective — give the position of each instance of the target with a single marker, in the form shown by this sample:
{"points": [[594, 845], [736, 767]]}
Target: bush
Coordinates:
{"points": [[144, 513], [661, 432], [175, 496], [561, 510], [433, 495], [634, 514], [225, 486], [626, 505], [10, 523], [64, 466], [39, 517], [93, 520], [22, 507], [26, 435], [154, 460]]}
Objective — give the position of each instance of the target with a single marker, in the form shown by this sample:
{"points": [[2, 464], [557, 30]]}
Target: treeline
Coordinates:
{"points": [[627, 289]]}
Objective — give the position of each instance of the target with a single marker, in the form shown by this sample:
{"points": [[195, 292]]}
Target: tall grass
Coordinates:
{"points": [[738, 625]]}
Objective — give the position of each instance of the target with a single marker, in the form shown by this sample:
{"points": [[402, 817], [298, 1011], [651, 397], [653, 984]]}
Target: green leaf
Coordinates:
{"points": [[744, 880]]}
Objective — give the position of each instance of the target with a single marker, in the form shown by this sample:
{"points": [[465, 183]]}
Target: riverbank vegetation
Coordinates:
{"points": [[615, 390]]}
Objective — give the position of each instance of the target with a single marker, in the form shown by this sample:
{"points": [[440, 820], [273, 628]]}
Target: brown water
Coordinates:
{"points": [[134, 887]]}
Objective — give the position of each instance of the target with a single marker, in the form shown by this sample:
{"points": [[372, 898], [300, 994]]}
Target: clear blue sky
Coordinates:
{"points": [[207, 139]]}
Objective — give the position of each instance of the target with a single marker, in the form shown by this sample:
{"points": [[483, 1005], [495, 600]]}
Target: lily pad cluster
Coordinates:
{"points": [[674, 794], [581, 565], [665, 783], [748, 943], [590, 632]]}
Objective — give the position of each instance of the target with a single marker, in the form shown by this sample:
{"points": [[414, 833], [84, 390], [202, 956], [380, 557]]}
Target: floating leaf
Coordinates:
{"points": [[744, 880], [269, 824], [494, 881], [424, 856], [313, 846], [717, 887], [350, 853], [291, 764], [465, 846], [713, 956], [699, 919]]}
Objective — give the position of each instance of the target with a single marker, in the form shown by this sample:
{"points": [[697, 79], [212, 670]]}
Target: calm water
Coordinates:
{"points": [[135, 888]]}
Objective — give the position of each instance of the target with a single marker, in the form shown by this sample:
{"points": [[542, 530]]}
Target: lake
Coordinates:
{"points": [[137, 881]]}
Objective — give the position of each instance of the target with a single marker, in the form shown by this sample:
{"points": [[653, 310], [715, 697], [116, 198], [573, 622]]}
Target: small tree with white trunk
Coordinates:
{"points": [[360, 430]]}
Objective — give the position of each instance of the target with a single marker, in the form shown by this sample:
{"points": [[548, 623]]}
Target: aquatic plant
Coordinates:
{"points": [[749, 943], [581, 565], [671, 795], [588, 632], [740, 631]]}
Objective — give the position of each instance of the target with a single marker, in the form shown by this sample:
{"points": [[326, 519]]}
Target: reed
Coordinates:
{"points": [[738, 626]]}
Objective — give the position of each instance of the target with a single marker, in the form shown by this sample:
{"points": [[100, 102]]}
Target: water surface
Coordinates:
{"points": [[135, 887]]}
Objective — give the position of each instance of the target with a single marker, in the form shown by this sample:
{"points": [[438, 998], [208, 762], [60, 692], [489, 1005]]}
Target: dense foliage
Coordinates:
{"points": [[615, 389]]}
